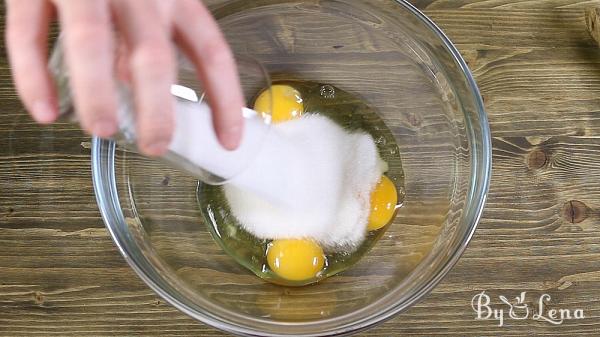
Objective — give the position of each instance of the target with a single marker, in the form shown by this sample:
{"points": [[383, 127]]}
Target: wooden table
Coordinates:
{"points": [[539, 73]]}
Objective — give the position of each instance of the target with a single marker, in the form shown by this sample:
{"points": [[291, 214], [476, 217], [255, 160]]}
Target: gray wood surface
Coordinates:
{"points": [[539, 72]]}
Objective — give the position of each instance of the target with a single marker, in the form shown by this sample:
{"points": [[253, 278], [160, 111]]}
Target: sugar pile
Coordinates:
{"points": [[305, 178], [327, 171]]}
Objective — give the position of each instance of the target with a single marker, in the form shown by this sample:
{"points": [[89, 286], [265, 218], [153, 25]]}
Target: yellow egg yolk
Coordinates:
{"points": [[383, 203], [286, 103], [295, 259]]}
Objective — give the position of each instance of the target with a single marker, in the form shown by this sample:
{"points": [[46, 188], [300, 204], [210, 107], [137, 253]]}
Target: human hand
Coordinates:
{"points": [[148, 31]]}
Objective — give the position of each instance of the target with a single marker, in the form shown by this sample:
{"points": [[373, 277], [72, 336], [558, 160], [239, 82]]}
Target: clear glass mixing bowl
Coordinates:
{"points": [[390, 55]]}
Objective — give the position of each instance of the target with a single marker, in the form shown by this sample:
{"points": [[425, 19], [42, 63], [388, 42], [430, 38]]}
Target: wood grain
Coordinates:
{"points": [[539, 72], [592, 20]]}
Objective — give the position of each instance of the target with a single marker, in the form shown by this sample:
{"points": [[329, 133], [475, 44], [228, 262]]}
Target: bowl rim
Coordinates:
{"points": [[108, 204]]}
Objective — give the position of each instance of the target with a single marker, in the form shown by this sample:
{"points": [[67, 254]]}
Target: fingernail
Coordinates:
{"points": [[156, 149], [104, 128], [230, 138], [43, 112]]}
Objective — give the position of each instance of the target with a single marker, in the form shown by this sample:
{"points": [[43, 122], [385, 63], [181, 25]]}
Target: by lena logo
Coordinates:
{"points": [[520, 310]]}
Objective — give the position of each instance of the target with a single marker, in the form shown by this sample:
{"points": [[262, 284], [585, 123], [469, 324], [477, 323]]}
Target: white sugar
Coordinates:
{"points": [[322, 174], [306, 178]]}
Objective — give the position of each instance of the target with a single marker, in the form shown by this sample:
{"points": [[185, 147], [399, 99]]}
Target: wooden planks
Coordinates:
{"points": [[538, 70]]}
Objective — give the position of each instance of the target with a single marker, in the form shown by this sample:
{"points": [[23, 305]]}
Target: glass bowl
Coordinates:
{"points": [[395, 59]]}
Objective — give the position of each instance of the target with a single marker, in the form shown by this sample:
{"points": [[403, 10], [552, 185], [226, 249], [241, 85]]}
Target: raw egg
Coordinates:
{"points": [[383, 203], [286, 101], [295, 259]]}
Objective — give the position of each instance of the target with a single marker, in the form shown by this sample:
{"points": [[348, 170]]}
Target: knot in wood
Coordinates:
{"points": [[414, 119], [537, 159], [39, 298], [575, 211]]}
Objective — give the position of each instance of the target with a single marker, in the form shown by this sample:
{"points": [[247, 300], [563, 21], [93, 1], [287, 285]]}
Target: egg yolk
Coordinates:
{"points": [[295, 259], [383, 203], [286, 103]]}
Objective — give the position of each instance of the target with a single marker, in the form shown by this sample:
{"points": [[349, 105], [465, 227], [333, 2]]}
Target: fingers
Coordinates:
{"points": [[202, 41], [88, 46], [89, 53], [26, 33], [152, 72], [122, 63]]}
